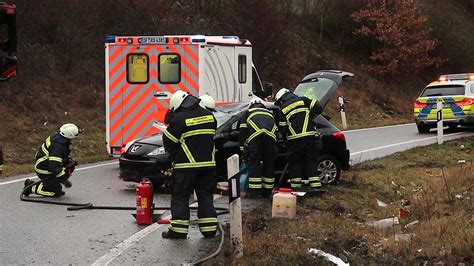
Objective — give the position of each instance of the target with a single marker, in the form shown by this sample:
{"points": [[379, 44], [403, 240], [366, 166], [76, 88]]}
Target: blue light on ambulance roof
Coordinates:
{"points": [[198, 38], [231, 37], [109, 38]]}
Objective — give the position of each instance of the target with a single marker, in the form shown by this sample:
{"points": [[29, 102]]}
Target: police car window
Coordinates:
{"points": [[314, 90], [472, 88], [443, 90], [169, 68], [137, 68], [242, 69]]}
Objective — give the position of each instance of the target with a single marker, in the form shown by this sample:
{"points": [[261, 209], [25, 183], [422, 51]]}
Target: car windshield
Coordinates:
{"points": [[443, 90], [314, 90]]}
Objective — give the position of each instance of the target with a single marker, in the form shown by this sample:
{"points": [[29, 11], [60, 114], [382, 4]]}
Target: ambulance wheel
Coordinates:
{"points": [[423, 128], [328, 169]]}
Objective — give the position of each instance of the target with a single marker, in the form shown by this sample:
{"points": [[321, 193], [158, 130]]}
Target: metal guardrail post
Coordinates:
{"points": [[343, 112], [439, 118]]}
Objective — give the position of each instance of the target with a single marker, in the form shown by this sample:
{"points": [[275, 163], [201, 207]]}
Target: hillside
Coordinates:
{"points": [[61, 58]]}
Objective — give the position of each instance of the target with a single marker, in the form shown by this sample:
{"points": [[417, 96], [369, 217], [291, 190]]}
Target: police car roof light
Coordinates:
{"points": [[110, 38], [470, 76], [443, 78]]}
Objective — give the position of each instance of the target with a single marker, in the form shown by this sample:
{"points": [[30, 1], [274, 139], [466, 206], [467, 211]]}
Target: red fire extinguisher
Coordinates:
{"points": [[144, 202]]}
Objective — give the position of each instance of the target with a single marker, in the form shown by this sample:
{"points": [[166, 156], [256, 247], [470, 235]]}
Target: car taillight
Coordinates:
{"points": [[418, 104], [465, 101], [118, 150], [339, 135]]}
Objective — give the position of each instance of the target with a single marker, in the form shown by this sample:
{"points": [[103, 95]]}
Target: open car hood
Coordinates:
{"points": [[321, 85]]}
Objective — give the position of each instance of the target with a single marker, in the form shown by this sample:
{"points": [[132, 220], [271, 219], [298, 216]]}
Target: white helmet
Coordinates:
{"points": [[177, 99], [207, 102], [256, 100], [280, 93], [69, 131]]}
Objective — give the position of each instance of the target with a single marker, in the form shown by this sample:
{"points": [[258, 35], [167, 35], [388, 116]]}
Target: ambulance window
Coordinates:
{"points": [[137, 68], [169, 68], [242, 68]]}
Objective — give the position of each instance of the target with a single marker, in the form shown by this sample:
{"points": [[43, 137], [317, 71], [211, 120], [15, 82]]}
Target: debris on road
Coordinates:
{"points": [[408, 225], [384, 223], [381, 204], [328, 256]]}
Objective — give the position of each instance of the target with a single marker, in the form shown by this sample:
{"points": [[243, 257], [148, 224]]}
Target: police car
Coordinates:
{"points": [[456, 92]]}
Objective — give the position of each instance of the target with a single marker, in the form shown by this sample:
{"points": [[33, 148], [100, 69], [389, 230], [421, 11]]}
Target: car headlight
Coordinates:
{"points": [[157, 151]]}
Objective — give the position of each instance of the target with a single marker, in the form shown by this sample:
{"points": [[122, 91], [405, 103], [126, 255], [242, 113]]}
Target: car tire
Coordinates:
{"points": [[423, 129], [328, 169]]}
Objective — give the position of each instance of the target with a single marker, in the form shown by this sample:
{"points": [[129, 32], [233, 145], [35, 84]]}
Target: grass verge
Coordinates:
{"points": [[429, 182]]}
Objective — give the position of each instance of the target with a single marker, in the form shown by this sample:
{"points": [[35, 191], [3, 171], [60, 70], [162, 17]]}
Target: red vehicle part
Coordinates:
{"points": [[144, 203]]}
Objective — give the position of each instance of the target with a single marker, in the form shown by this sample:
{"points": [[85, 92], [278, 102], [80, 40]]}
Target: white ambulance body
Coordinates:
{"points": [[142, 72]]}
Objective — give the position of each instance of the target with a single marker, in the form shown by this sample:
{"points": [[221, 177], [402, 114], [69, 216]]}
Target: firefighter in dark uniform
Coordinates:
{"points": [[258, 144], [53, 164], [189, 139], [295, 121]]}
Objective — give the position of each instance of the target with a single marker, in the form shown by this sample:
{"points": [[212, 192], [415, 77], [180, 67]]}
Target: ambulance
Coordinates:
{"points": [[142, 72]]}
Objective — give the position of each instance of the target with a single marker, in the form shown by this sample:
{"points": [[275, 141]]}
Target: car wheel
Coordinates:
{"points": [[423, 128], [328, 169]]}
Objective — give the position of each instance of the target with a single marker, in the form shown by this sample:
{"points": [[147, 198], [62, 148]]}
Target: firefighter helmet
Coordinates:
{"points": [[280, 93], [256, 100], [69, 131], [207, 102], [177, 99]]}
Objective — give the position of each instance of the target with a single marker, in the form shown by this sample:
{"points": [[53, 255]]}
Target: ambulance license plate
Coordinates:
{"points": [[445, 105]]}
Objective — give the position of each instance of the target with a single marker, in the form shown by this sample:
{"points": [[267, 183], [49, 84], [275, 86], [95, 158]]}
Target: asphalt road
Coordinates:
{"points": [[49, 234]]}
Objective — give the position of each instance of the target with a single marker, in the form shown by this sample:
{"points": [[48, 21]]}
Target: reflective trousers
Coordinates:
{"points": [[50, 186], [302, 159], [183, 185], [262, 153]]}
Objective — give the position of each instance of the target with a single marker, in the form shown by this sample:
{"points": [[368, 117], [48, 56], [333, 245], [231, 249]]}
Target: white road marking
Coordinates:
{"points": [[375, 128], [401, 143], [127, 243], [78, 169]]}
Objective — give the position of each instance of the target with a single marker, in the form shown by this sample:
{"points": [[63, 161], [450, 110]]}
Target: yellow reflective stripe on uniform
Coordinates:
{"points": [[314, 178], [44, 149], [179, 230], [296, 179], [299, 110], [61, 173], [56, 159], [268, 180], [198, 132], [40, 191], [268, 186], [255, 185], [291, 106], [313, 103], [259, 113], [195, 165], [180, 222], [309, 133], [243, 125], [241, 148], [40, 160], [48, 141], [187, 151], [315, 184], [292, 131], [207, 220], [170, 136], [208, 228], [256, 133], [199, 120], [282, 124], [305, 124], [255, 179], [259, 109]]}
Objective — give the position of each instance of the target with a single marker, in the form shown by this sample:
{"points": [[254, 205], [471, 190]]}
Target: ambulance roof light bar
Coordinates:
{"points": [[110, 38]]}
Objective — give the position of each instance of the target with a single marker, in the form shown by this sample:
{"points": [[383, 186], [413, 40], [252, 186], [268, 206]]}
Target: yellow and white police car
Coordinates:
{"points": [[456, 92]]}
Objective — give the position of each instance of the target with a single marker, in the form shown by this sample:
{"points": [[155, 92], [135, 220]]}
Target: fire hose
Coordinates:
{"points": [[89, 206]]}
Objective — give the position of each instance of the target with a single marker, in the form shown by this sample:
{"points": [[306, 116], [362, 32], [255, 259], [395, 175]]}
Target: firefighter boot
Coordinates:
{"points": [[28, 182], [173, 235]]}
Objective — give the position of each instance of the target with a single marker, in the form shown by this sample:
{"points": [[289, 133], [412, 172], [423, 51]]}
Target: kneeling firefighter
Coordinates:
{"points": [[53, 164], [189, 139], [295, 121], [258, 144]]}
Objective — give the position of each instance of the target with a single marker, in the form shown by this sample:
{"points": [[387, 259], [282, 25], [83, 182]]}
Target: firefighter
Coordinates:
{"points": [[295, 121], [207, 102], [189, 139], [258, 144], [53, 164]]}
